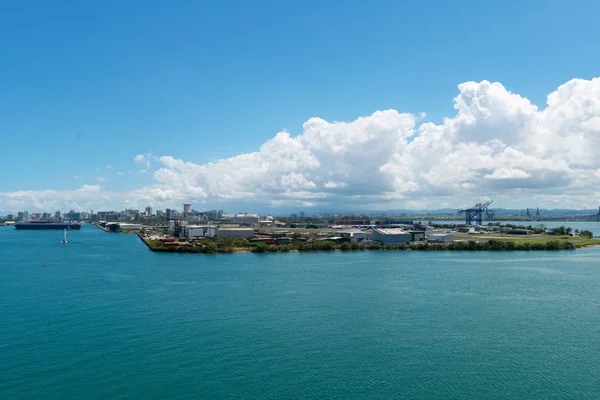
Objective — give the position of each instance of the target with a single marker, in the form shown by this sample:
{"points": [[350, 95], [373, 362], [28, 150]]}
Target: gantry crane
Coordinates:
{"points": [[476, 213]]}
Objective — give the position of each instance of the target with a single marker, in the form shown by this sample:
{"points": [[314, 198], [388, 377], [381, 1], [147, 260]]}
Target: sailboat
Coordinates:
{"points": [[64, 241]]}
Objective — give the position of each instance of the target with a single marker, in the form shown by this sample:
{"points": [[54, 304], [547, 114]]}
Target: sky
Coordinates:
{"points": [[299, 106]]}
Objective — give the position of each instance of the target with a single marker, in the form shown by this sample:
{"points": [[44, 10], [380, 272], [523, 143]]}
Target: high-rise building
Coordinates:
{"points": [[301, 214], [57, 215], [26, 215], [20, 215], [168, 213], [187, 208], [149, 211]]}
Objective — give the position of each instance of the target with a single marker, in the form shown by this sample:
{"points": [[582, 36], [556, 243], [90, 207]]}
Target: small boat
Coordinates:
{"points": [[64, 241]]}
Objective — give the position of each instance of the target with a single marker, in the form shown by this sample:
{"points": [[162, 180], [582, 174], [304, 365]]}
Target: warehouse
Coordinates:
{"points": [[357, 236], [441, 238], [417, 236], [130, 227], [387, 236], [200, 231], [235, 233]]}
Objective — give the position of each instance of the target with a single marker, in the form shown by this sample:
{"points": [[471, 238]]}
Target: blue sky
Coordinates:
{"points": [[88, 85]]}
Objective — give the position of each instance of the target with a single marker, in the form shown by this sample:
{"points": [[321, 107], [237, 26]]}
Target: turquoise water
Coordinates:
{"points": [[106, 318]]}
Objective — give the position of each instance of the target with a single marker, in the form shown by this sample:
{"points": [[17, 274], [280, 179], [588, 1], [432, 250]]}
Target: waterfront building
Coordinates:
{"points": [[357, 236], [440, 238], [417, 236], [235, 233], [200, 231], [130, 227], [387, 236]]}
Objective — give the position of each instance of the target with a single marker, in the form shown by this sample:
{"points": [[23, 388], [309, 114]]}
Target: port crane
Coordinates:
{"points": [[475, 213]]}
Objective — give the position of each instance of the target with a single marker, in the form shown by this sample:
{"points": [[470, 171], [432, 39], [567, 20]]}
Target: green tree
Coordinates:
{"points": [[345, 246]]}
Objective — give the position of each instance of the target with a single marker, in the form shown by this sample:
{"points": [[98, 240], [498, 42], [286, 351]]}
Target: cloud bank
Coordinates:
{"points": [[498, 145]]}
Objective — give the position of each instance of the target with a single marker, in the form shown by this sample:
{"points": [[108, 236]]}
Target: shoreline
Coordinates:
{"points": [[471, 246]]}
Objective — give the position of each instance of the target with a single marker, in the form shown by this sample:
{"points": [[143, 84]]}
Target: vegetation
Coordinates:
{"points": [[209, 246], [560, 231], [584, 233]]}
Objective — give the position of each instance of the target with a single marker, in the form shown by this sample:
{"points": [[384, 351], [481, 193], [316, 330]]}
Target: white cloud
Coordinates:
{"points": [[76, 177], [84, 198], [100, 179], [108, 166], [335, 185], [120, 173], [508, 173], [143, 159], [497, 145]]}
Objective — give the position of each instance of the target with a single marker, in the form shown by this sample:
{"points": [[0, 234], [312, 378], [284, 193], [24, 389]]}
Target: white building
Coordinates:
{"points": [[440, 238], [247, 219], [387, 236], [356, 235], [130, 227], [235, 233], [200, 231]]}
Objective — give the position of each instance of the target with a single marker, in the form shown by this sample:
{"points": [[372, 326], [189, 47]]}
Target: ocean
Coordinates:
{"points": [[102, 317]]}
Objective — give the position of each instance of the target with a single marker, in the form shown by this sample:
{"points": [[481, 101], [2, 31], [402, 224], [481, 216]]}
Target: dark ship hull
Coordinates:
{"points": [[47, 225]]}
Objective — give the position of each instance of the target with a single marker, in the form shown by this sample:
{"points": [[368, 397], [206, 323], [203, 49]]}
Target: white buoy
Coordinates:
{"points": [[64, 241]]}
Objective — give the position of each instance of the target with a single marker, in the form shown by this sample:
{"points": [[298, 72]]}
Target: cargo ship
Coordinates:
{"points": [[47, 225]]}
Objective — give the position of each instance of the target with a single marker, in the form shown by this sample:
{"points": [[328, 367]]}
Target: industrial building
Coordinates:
{"points": [[200, 231], [417, 236], [441, 238], [235, 233], [387, 236], [357, 236], [130, 227]]}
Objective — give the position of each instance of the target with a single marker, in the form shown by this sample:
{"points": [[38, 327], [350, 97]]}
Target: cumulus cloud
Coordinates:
{"points": [[496, 145], [508, 173], [143, 159], [85, 197]]}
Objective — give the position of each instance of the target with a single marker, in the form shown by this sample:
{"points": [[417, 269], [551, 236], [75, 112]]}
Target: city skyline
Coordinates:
{"points": [[265, 109]]}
